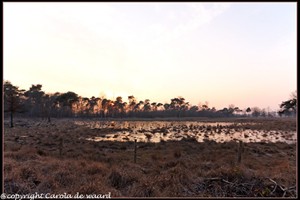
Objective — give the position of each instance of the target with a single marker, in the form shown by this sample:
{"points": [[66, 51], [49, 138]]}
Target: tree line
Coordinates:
{"points": [[34, 102]]}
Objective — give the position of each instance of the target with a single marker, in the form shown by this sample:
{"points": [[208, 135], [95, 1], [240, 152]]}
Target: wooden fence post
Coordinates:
{"points": [[240, 150], [134, 150]]}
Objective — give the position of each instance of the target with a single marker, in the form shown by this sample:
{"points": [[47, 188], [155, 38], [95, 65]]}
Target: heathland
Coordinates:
{"points": [[238, 157]]}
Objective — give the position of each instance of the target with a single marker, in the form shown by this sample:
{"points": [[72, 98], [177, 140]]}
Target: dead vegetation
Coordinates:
{"points": [[36, 160]]}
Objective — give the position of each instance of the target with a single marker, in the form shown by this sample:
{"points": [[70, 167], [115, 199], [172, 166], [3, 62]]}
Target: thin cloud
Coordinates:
{"points": [[190, 18]]}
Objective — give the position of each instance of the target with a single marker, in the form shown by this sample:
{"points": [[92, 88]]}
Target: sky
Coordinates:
{"points": [[220, 53]]}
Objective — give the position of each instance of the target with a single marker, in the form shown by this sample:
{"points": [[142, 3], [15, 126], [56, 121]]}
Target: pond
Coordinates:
{"points": [[157, 131]]}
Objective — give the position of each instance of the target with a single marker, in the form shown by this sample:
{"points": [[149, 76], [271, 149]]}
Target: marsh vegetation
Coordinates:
{"points": [[66, 155]]}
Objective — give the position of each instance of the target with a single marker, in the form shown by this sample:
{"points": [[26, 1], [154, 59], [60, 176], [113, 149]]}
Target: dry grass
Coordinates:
{"points": [[167, 169]]}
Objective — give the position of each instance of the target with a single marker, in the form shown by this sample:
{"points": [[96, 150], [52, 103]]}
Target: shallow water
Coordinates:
{"points": [[165, 131], [246, 136]]}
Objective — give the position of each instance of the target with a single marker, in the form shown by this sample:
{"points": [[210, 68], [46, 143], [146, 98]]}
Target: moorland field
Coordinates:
{"points": [[239, 157]]}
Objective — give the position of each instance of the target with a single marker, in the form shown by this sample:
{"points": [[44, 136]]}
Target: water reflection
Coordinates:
{"points": [[124, 131]]}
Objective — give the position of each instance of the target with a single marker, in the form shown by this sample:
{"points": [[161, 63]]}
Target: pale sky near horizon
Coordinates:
{"points": [[223, 53]]}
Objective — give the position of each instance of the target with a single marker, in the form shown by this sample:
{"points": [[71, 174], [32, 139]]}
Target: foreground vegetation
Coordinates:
{"points": [[55, 157]]}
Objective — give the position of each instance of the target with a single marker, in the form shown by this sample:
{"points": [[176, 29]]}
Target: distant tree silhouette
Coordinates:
{"points": [[139, 106], [35, 99], [289, 107], [119, 106], [66, 101], [248, 110], [193, 111], [98, 106], [92, 106], [159, 105], [263, 112], [13, 100], [105, 103], [49, 104], [166, 106], [178, 104], [81, 106], [147, 106], [256, 111], [110, 108], [237, 110], [154, 106], [194, 108], [131, 105], [225, 112], [69, 104], [213, 109]]}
